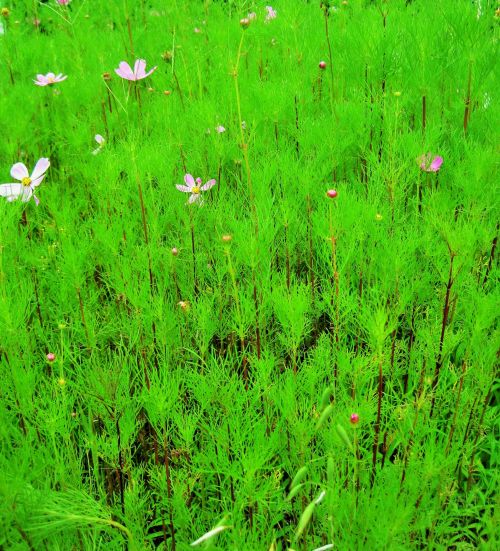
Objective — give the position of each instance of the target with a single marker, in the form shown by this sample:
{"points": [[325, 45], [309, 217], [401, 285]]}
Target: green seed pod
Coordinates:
{"points": [[330, 470], [344, 437], [304, 519], [294, 491], [297, 479], [323, 417], [325, 398]]}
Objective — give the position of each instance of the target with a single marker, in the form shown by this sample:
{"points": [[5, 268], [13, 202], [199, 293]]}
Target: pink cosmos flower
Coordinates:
{"points": [[51, 357], [28, 183], [271, 14], [220, 129], [428, 163], [49, 78], [195, 187], [125, 71], [63, 2]]}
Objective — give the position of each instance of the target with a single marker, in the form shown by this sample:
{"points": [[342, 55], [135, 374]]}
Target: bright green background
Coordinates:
{"points": [[84, 440]]}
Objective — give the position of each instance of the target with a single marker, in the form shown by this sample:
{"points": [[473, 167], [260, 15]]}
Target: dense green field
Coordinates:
{"points": [[269, 366]]}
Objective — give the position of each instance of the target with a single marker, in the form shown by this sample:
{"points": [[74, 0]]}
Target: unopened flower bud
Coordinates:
{"points": [[244, 22], [332, 193], [175, 251], [183, 305], [167, 92], [354, 418], [5, 12], [106, 76], [322, 64], [50, 357], [378, 217], [227, 238], [61, 381]]}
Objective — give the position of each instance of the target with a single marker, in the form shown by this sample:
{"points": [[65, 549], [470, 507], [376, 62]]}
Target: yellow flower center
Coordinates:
{"points": [[195, 189], [26, 181]]}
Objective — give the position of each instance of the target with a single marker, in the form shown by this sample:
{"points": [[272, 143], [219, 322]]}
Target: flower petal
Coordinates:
{"points": [[37, 181], [436, 164], [208, 185], [140, 69], [60, 78], [185, 189], [189, 180], [11, 191], [194, 197], [125, 71], [99, 139], [27, 193], [19, 171], [151, 71], [37, 201], [40, 168]]}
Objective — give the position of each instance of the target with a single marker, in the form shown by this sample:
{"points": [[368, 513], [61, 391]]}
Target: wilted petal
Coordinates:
{"points": [[185, 189], [189, 180], [194, 198], [40, 168], [209, 535], [37, 201], [19, 171], [208, 185]]}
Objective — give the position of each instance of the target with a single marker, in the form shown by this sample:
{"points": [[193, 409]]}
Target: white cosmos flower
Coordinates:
{"points": [[100, 142], [25, 190]]}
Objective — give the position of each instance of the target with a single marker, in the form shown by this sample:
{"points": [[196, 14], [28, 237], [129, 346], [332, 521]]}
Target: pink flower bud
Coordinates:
{"points": [[51, 357], [354, 418], [322, 64], [175, 251], [332, 193]]}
